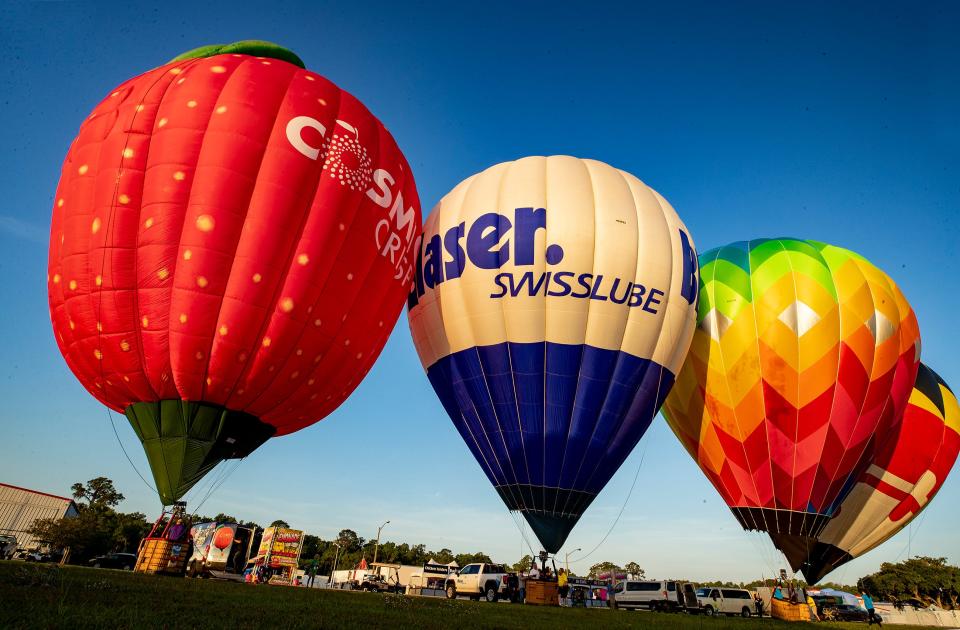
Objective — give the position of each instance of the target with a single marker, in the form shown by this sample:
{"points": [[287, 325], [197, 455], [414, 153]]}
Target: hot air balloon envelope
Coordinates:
{"points": [[554, 302], [232, 241]]}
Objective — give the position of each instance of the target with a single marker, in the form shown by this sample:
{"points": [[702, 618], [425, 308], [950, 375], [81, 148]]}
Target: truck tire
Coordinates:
{"points": [[451, 591], [745, 612], [490, 592], [708, 610]]}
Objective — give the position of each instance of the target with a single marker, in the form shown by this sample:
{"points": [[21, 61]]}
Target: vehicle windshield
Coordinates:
{"points": [[703, 592]]}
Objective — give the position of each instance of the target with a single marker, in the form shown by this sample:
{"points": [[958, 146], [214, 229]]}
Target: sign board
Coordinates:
{"points": [[282, 545]]}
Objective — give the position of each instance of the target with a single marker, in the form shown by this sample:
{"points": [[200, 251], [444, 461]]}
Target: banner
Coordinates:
{"points": [[282, 545]]}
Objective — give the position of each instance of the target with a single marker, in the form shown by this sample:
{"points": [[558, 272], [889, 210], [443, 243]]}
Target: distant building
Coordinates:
{"points": [[20, 507]]}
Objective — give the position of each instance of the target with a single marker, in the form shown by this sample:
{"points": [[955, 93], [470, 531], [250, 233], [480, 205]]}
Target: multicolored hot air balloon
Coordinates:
{"points": [[555, 300], [908, 470], [803, 353], [232, 241]]}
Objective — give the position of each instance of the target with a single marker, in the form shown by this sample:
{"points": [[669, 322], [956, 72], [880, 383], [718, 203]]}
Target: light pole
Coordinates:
{"points": [[336, 557], [377, 546], [566, 560]]}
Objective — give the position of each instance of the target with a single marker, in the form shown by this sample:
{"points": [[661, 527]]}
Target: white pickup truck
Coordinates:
{"points": [[477, 580]]}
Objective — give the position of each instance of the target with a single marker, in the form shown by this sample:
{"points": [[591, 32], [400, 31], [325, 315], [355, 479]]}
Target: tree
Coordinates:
{"points": [[523, 564], [280, 523], [931, 580], [98, 493], [603, 567], [634, 570], [349, 539]]}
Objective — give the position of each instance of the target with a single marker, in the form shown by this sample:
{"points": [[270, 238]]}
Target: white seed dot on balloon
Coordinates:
{"points": [[322, 102], [191, 104], [124, 345], [342, 227], [179, 176], [123, 199], [349, 276], [56, 278], [299, 352], [205, 223], [161, 122], [294, 375], [60, 203], [201, 281], [223, 331], [180, 81], [95, 226], [309, 78], [162, 273], [311, 381], [266, 342], [221, 109], [240, 391], [347, 342], [313, 396], [141, 107], [209, 381], [198, 355], [99, 326], [359, 355], [266, 63], [316, 322], [183, 318], [144, 321], [97, 354], [175, 70], [257, 278], [72, 285], [187, 254], [148, 223], [218, 69], [128, 152], [98, 280], [286, 305], [243, 356], [126, 379], [72, 325], [83, 169], [303, 259], [380, 324]]}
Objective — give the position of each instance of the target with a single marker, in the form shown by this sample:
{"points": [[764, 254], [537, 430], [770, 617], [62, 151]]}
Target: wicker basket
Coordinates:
{"points": [[787, 611], [160, 555], [541, 593]]}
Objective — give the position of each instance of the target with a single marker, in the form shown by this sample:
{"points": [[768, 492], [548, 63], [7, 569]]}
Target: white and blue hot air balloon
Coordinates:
{"points": [[555, 300]]}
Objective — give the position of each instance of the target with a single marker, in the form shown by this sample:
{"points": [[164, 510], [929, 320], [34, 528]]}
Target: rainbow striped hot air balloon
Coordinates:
{"points": [[803, 352], [554, 302]]}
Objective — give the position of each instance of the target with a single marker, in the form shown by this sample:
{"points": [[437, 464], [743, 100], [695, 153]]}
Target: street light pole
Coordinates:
{"points": [[336, 557], [566, 560], [377, 546]]}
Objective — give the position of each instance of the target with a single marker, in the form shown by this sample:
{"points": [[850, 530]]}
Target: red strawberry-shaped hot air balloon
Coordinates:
{"points": [[224, 537], [231, 244]]}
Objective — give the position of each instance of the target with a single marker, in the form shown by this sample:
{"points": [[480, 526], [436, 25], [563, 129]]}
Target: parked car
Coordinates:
{"points": [[728, 601], [663, 595], [34, 556], [8, 546], [843, 612], [125, 561], [476, 580]]}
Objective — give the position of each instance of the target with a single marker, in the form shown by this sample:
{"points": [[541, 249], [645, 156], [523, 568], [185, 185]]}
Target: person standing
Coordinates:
{"points": [[872, 616], [758, 604], [562, 587], [312, 570]]}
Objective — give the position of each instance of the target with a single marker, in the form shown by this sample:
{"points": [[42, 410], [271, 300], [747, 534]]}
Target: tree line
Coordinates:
{"points": [[100, 528]]}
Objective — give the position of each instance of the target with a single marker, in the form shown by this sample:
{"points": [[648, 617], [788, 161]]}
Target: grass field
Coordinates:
{"points": [[41, 596]]}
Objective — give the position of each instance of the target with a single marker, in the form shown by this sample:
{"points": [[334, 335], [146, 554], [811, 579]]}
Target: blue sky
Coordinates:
{"points": [[830, 121]]}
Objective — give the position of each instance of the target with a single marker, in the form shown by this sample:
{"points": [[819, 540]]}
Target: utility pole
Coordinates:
{"points": [[377, 546], [336, 557]]}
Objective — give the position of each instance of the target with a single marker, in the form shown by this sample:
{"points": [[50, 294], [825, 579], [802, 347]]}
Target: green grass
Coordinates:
{"points": [[41, 596]]}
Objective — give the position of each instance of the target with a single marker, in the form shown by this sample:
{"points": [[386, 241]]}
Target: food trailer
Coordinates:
{"points": [[278, 556]]}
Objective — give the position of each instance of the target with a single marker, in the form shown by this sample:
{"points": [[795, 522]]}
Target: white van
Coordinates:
{"points": [[728, 601], [655, 595]]}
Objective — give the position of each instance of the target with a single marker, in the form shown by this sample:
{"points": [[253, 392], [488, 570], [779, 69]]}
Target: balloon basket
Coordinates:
{"points": [[789, 611], [542, 593], [162, 556]]}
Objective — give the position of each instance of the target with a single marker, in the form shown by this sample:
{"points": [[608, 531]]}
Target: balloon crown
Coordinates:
{"points": [[253, 47]]}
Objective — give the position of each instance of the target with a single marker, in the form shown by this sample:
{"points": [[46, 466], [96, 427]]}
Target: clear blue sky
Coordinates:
{"points": [[823, 120]]}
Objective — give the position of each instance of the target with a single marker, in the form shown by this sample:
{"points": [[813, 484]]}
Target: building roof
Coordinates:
{"points": [[46, 494]]}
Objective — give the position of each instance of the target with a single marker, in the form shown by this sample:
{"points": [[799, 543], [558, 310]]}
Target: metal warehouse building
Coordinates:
{"points": [[20, 507]]}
